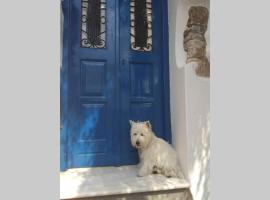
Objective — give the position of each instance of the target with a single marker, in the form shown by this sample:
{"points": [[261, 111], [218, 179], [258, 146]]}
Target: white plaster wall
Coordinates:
{"points": [[177, 82], [190, 104], [198, 133]]}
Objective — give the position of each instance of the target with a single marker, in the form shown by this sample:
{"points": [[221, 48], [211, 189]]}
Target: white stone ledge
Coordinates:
{"points": [[104, 181]]}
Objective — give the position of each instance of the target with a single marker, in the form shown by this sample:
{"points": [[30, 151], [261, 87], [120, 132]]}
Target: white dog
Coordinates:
{"points": [[156, 155]]}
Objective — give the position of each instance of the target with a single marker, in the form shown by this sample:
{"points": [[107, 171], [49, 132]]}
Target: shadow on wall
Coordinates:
{"points": [[200, 169]]}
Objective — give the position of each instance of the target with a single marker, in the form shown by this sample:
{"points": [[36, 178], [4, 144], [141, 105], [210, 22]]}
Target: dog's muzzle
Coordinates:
{"points": [[138, 144]]}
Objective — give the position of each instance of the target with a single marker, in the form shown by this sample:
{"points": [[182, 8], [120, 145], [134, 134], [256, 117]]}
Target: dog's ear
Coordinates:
{"points": [[131, 122], [148, 124]]}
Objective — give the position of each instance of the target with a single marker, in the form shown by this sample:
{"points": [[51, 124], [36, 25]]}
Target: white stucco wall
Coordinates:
{"points": [[190, 104]]}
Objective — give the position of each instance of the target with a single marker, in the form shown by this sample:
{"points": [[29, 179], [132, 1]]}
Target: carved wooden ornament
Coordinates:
{"points": [[194, 40]]}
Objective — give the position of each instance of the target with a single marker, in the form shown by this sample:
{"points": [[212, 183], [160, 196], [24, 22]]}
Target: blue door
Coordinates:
{"points": [[114, 68]]}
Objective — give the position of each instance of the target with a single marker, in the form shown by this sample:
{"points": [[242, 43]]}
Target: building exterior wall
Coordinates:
{"points": [[190, 103]]}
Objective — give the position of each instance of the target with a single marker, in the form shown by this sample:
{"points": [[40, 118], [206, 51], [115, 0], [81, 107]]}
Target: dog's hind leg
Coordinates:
{"points": [[170, 173]]}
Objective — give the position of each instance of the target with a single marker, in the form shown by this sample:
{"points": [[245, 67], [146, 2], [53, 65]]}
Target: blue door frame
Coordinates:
{"points": [[125, 98]]}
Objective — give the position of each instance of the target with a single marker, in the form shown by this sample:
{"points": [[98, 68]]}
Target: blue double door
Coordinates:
{"points": [[115, 69]]}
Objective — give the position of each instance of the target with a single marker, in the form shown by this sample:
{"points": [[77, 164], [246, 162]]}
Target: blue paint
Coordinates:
{"points": [[64, 86], [102, 89], [166, 74], [89, 124]]}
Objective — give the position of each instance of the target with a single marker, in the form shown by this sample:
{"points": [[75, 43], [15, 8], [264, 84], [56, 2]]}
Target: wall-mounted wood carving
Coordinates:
{"points": [[194, 40]]}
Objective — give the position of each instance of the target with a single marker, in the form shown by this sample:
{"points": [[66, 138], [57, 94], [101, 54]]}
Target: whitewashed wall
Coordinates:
{"points": [[190, 104]]}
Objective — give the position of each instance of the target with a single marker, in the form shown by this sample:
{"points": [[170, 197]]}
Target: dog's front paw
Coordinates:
{"points": [[142, 172], [155, 170]]}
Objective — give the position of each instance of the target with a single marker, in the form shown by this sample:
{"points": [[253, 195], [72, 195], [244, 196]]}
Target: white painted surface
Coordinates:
{"points": [[190, 104], [198, 134], [102, 181]]}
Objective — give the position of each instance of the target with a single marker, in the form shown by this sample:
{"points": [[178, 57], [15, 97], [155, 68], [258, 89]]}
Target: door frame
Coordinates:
{"points": [[65, 62], [166, 71]]}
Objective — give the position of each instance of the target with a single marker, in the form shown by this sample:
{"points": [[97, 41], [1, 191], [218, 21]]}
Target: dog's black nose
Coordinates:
{"points": [[138, 143]]}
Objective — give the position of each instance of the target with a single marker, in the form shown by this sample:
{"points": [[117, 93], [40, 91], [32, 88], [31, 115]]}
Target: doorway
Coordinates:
{"points": [[114, 69]]}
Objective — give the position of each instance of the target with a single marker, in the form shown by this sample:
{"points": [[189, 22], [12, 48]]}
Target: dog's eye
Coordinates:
{"points": [[141, 134], [135, 134]]}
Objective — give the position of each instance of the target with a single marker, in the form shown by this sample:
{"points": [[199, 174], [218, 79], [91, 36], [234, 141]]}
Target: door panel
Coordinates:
{"points": [[141, 80], [141, 72], [93, 78], [92, 94]]}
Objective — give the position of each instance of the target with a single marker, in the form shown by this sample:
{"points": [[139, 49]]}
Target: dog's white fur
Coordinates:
{"points": [[156, 155]]}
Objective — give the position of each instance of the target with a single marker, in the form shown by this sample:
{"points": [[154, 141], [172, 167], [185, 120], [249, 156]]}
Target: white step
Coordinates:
{"points": [[107, 181]]}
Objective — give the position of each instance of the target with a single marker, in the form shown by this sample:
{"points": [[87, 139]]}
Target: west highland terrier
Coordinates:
{"points": [[156, 155]]}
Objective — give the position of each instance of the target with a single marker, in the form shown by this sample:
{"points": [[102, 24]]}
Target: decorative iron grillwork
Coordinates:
{"points": [[141, 25], [93, 24]]}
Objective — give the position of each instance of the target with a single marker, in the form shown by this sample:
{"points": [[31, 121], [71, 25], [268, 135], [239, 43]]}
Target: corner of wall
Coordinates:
{"points": [[177, 86]]}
